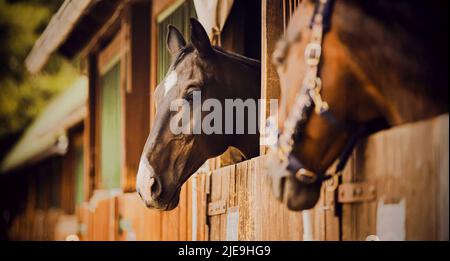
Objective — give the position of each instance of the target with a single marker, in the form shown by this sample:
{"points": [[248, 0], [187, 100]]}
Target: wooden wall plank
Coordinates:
{"points": [[215, 195], [225, 196], [202, 196], [241, 199], [273, 215], [441, 157], [182, 233], [330, 212], [261, 217], [188, 214], [407, 163]]}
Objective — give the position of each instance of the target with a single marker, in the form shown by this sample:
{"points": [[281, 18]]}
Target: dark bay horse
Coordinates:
{"points": [[380, 59], [169, 158]]}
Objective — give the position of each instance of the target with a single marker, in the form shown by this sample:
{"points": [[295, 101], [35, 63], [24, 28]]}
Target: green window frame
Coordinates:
{"points": [[111, 127], [79, 175]]}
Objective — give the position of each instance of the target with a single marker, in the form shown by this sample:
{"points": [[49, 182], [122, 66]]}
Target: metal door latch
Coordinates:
{"points": [[217, 207], [357, 192]]}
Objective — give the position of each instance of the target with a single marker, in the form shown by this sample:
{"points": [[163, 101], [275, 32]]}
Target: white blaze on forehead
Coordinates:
{"points": [[170, 81]]}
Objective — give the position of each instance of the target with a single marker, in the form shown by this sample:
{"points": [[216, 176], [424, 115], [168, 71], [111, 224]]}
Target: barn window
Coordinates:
{"points": [[79, 166], [178, 15], [110, 125], [110, 115]]}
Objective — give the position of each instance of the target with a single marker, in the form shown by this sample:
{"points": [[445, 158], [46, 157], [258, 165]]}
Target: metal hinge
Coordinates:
{"points": [[217, 207], [357, 192]]}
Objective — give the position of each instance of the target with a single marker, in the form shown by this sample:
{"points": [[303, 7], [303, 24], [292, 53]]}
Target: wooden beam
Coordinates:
{"points": [[90, 150], [272, 30], [137, 97], [61, 24], [108, 25]]}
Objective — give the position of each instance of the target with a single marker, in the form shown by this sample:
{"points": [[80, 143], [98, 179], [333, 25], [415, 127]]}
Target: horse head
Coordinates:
{"points": [[178, 145], [364, 75]]}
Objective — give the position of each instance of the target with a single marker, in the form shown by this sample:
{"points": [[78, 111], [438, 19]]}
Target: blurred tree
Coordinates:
{"points": [[23, 96]]}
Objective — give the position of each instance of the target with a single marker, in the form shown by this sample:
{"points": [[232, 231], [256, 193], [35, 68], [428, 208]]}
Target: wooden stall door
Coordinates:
{"points": [[137, 222], [103, 222], [241, 206], [408, 169]]}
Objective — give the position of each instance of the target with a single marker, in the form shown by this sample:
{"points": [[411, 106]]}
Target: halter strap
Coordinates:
{"points": [[325, 10], [309, 96]]}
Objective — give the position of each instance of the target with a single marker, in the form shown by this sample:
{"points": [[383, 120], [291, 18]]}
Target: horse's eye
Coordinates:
{"points": [[189, 96]]}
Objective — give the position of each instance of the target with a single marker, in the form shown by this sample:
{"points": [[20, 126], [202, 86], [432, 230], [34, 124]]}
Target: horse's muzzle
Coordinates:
{"points": [[286, 188], [148, 186]]}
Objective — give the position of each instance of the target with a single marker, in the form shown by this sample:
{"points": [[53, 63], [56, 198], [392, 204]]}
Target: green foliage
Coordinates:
{"points": [[21, 102], [23, 96], [19, 24]]}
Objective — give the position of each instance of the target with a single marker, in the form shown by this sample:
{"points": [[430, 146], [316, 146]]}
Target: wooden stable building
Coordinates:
{"points": [[41, 178], [123, 46]]}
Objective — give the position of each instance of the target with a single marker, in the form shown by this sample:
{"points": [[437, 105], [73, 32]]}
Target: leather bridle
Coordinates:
{"points": [[309, 100]]}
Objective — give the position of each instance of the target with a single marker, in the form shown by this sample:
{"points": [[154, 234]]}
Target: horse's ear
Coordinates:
{"points": [[175, 41], [200, 39]]}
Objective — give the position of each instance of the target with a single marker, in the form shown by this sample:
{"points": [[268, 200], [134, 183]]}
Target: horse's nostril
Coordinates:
{"points": [[155, 187]]}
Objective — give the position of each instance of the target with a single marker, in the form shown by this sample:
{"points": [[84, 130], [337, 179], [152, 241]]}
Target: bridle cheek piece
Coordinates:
{"points": [[308, 97]]}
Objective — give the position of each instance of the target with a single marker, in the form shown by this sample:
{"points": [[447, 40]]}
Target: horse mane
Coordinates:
{"points": [[245, 60], [242, 59]]}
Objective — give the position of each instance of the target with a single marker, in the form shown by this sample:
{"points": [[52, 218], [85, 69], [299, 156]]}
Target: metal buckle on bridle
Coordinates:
{"points": [[320, 106], [282, 152], [332, 181], [309, 95], [313, 51], [306, 176]]}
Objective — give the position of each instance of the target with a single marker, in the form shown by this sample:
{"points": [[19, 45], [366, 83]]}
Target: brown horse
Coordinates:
{"points": [[380, 60], [169, 158]]}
